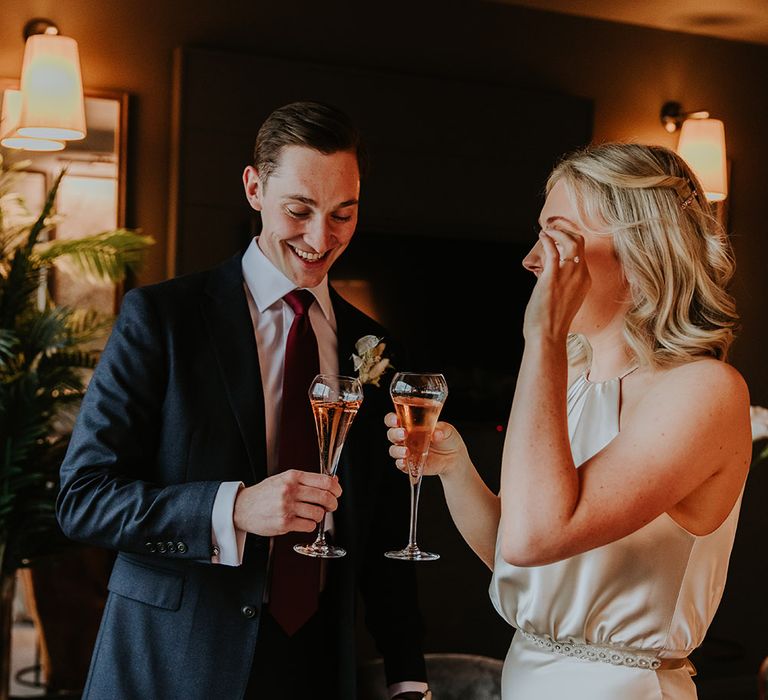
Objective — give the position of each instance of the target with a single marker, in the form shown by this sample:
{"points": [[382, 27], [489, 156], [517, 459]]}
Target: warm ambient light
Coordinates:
{"points": [[9, 136], [702, 146], [52, 104]]}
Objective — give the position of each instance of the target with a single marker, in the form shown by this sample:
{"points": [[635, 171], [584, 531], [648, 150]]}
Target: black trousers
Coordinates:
{"points": [[302, 667]]}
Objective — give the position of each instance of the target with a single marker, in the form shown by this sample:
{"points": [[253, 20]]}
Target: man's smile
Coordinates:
{"points": [[307, 256]]}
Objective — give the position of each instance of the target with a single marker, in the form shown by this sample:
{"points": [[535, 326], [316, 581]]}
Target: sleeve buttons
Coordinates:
{"points": [[248, 611]]}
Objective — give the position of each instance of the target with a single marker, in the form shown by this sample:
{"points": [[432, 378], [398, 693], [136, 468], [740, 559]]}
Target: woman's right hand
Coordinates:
{"points": [[446, 450]]}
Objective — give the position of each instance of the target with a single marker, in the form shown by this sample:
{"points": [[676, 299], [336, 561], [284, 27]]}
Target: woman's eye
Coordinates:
{"points": [[340, 218]]}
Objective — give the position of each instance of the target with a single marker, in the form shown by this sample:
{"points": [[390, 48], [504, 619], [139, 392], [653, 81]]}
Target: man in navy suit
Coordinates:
{"points": [[185, 458]]}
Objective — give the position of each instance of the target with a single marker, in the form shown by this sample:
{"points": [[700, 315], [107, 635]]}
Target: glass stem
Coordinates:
{"points": [[415, 490], [320, 540]]}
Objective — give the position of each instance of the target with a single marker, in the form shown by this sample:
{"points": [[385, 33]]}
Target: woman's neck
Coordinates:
{"points": [[611, 356]]}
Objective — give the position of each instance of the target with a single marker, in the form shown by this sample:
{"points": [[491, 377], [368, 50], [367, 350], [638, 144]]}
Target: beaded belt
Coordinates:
{"points": [[608, 655]]}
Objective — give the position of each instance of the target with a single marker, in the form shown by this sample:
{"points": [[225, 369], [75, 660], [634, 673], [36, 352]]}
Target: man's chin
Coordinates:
{"points": [[308, 278]]}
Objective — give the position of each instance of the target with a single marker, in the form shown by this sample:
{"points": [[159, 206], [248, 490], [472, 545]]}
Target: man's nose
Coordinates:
{"points": [[319, 235]]}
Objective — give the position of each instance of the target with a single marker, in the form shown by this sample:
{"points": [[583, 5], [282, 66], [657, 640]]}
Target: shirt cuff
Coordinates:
{"points": [[228, 541], [407, 687]]}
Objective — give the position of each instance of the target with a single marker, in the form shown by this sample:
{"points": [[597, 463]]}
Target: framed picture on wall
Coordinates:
{"points": [[86, 204], [31, 186]]}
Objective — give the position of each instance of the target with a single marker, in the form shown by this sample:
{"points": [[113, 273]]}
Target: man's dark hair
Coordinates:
{"points": [[311, 124]]}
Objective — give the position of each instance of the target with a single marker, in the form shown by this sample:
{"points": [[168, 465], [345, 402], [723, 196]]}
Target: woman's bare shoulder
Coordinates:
{"points": [[706, 375], [706, 392]]}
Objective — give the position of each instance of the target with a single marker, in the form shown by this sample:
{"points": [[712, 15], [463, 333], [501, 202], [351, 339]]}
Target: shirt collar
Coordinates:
{"points": [[268, 285]]}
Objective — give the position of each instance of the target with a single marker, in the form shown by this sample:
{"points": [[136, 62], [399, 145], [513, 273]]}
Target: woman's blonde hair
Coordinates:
{"points": [[676, 258]]}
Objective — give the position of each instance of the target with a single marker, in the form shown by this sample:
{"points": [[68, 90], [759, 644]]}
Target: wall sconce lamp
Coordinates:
{"points": [[9, 125], [701, 145], [50, 108]]}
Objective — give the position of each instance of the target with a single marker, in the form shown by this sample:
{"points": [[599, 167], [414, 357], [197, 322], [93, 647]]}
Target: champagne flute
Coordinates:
{"points": [[335, 400], [418, 399]]}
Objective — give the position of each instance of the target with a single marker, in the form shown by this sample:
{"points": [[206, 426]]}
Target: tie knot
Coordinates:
{"points": [[300, 300]]}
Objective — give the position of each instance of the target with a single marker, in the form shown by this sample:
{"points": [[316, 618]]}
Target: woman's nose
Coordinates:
{"points": [[532, 261]]}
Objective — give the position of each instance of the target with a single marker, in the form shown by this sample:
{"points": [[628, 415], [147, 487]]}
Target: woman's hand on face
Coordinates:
{"points": [[561, 287], [446, 449]]}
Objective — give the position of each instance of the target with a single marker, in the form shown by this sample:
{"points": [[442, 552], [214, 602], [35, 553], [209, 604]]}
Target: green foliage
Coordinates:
{"points": [[101, 256], [46, 351]]}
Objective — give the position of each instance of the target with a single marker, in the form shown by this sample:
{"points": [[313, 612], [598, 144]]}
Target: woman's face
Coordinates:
{"points": [[609, 294]]}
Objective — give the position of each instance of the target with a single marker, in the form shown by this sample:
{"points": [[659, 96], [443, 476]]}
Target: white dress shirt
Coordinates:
{"points": [[265, 287]]}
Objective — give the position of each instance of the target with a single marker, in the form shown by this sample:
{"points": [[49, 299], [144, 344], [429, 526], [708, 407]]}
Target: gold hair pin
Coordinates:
{"points": [[686, 191], [687, 201]]}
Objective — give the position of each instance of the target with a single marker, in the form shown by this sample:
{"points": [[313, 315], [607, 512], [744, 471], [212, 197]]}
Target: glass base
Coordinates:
{"points": [[320, 551], [412, 553]]}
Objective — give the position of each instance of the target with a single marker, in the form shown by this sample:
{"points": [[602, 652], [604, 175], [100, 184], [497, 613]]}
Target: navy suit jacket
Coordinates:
{"points": [[174, 408]]}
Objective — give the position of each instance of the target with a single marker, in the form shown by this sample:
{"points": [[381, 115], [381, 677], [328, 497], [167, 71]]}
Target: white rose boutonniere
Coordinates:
{"points": [[368, 359]]}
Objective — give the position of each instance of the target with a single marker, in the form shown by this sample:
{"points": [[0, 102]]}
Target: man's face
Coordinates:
{"points": [[308, 210]]}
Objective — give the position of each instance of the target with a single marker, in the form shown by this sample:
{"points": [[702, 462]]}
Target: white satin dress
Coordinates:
{"points": [[594, 626]]}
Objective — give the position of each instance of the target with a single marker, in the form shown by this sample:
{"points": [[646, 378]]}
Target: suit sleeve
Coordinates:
{"points": [[111, 493], [389, 588]]}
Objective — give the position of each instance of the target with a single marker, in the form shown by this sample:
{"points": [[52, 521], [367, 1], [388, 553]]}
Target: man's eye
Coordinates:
{"points": [[340, 218], [297, 213]]}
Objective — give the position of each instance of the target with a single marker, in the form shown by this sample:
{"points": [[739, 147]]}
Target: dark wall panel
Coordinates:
{"points": [[449, 158]]}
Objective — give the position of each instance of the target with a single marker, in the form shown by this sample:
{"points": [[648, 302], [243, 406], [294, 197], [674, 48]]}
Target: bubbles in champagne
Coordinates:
{"points": [[418, 417], [332, 419]]}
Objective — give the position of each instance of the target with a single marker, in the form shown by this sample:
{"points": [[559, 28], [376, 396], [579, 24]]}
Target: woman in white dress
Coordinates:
{"points": [[628, 441]]}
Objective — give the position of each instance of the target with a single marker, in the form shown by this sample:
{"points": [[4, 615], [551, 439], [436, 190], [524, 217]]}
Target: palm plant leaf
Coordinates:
{"points": [[76, 359], [8, 342], [10, 201], [19, 287], [46, 353], [86, 325], [15, 224], [103, 256], [41, 222], [44, 331]]}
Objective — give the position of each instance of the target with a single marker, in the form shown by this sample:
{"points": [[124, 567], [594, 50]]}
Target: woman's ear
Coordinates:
{"points": [[253, 187]]}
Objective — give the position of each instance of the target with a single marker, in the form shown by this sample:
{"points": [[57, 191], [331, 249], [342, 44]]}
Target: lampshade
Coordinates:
{"points": [[702, 146], [9, 123], [52, 104]]}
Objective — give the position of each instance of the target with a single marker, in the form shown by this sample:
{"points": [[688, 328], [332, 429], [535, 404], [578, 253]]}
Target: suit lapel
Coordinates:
{"points": [[346, 327], [348, 331], [229, 325]]}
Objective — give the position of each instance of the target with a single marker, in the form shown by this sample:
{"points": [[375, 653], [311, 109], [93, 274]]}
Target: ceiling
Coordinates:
{"points": [[739, 20]]}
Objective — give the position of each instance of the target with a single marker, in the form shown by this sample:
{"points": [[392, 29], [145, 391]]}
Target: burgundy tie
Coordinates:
{"points": [[295, 586]]}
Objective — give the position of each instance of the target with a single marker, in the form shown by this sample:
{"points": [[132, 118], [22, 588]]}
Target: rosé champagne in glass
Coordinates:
{"points": [[335, 401], [418, 400]]}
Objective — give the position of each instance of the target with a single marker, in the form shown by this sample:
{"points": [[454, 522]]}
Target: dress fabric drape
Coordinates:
{"points": [[653, 592]]}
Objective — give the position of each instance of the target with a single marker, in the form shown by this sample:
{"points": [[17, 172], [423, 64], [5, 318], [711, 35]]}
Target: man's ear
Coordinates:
{"points": [[253, 187]]}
